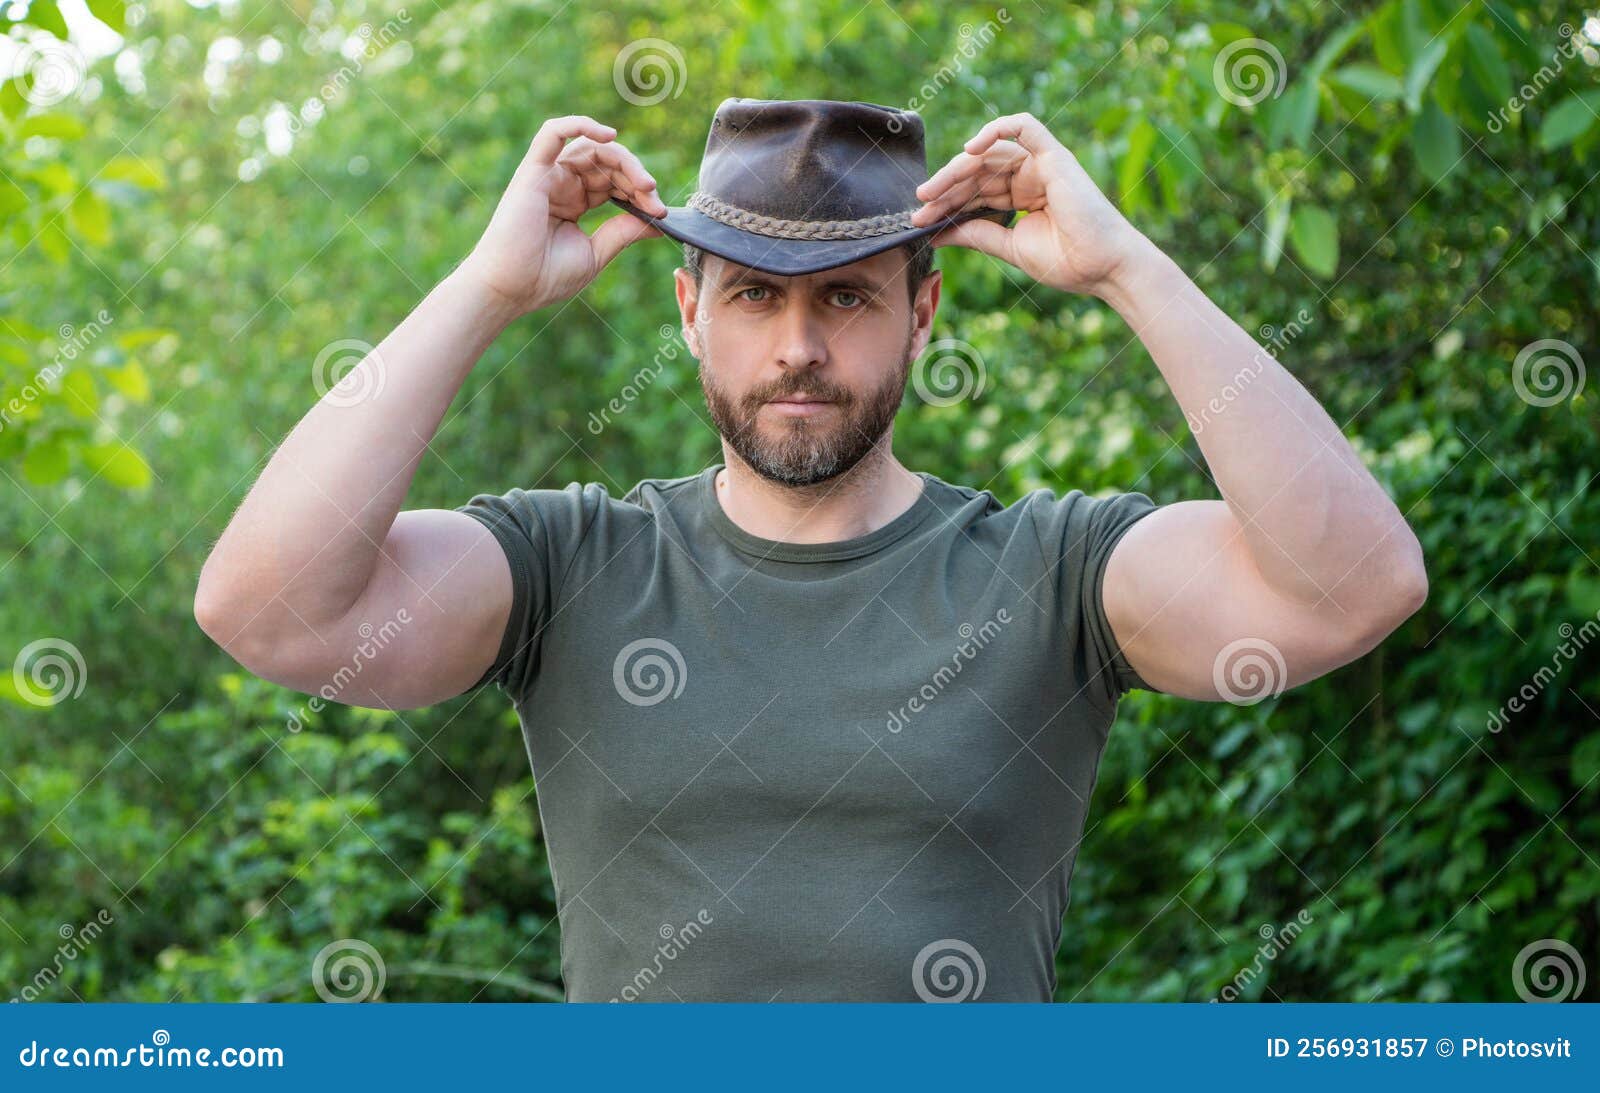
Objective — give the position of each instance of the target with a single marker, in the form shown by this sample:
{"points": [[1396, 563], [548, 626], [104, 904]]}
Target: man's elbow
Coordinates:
{"points": [[1402, 591]]}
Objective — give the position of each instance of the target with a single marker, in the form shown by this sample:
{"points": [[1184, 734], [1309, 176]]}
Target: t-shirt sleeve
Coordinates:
{"points": [[1076, 536], [540, 532]]}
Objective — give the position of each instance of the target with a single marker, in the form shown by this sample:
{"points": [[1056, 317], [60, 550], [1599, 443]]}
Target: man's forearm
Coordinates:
{"points": [[303, 545], [1317, 522]]}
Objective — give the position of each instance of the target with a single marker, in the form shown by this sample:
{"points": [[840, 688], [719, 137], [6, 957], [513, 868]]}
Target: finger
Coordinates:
{"points": [[553, 134], [980, 235], [613, 171], [615, 234], [967, 175], [961, 167], [1025, 129]]}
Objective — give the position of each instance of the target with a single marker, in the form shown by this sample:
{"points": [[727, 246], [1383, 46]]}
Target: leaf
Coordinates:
{"points": [[133, 169], [46, 462], [53, 241], [79, 393], [1486, 66], [1130, 172], [1276, 216], [1368, 80], [118, 464], [58, 126], [1436, 142], [1421, 72], [46, 15], [1569, 120], [131, 380], [90, 217], [1332, 49], [113, 13], [1294, 114], [1315, 235]]}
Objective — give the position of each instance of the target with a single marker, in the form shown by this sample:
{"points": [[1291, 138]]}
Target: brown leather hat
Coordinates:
{"points": [[796, 186]]}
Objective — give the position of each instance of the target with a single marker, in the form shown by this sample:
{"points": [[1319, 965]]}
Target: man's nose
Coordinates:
{"points": [[801, 340]]}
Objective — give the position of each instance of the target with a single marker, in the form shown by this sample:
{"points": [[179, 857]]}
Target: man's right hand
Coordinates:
{"points": [[533, 253]]}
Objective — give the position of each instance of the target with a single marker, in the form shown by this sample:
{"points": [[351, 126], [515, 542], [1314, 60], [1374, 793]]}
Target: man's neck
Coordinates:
{"points": [[856, 503]]}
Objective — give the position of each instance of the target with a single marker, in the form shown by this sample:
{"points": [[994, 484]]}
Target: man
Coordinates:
{"points": [[807, 724]]}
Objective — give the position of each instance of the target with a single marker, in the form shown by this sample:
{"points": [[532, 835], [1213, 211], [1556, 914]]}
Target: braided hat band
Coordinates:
{"points": [[745, 220]]}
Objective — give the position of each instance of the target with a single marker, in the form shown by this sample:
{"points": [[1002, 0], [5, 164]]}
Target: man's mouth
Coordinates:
{"points": [[799, 405]]}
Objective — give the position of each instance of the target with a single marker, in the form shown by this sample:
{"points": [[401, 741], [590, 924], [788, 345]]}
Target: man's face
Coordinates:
{"points": [[803, 375]]}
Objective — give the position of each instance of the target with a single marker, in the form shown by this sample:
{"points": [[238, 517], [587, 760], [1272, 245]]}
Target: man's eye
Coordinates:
{"points": [[752, 288], [846, 292]]}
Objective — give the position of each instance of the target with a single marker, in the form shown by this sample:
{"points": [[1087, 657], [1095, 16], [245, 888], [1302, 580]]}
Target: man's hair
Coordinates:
{"points": [[919, 263]]}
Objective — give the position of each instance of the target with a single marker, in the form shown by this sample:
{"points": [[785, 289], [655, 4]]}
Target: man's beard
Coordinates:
{"points": [[802, 451]]}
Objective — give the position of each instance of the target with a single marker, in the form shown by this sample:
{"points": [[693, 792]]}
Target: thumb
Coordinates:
{"points": [[620, 231], [980, 235]]}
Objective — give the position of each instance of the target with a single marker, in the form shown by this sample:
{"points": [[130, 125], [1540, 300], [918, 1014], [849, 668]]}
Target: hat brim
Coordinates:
{"points": [[789, 257]]}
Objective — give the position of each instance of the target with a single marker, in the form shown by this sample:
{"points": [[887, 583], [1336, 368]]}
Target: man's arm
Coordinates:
{"points": [[319, 556], [1305, 558]]}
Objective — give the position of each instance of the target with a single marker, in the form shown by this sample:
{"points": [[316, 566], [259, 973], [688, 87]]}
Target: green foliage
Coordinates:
{"points": [[1400, 213]]}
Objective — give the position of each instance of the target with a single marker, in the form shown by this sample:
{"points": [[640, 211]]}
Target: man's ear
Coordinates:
{"points": [[923, 311], [688, 308]]}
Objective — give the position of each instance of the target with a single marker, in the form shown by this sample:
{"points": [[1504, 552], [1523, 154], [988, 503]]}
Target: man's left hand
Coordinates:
{"points": [[1073, 238]]}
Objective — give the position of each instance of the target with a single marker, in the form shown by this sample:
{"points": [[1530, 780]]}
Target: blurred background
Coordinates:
{"points": [[205, 205]]}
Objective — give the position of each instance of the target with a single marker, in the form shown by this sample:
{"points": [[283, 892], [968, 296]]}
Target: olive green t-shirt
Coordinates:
{"points": [[855, 770]]}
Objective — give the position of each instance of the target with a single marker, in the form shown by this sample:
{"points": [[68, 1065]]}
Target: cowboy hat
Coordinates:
{"points": [[797, 186]]}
